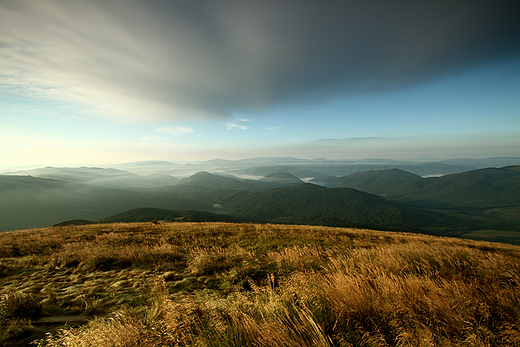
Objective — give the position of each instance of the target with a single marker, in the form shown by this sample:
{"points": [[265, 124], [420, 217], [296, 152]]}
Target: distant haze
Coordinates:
{"points": [[97, 82]]}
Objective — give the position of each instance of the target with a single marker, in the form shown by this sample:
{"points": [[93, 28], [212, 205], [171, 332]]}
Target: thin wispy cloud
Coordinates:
{"points": [[235, 126], [175, 130]]}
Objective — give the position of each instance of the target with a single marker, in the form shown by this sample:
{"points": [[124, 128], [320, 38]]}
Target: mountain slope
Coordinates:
{"points": [[311, 204], [483, 188], [211, 181], [282, 178], [28, 202], [341, 168], [373, 181]]}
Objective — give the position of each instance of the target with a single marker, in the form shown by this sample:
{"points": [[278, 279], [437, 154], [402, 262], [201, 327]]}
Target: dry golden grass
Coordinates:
{"points": [[218, 284]]}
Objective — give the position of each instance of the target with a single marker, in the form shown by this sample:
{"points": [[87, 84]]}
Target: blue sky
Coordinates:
{"points": [[98, 83]]}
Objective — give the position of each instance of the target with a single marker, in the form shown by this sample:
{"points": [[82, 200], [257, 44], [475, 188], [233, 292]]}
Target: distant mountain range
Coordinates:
{"points": [[301, 168], [393, 199]]}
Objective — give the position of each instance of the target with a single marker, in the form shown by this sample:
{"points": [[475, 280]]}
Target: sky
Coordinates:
{"points": [[96, 82]]}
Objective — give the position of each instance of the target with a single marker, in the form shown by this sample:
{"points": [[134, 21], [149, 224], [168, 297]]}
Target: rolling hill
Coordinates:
{"points": [[312, 204], [211, 181], [281, 178], [483, 188], [29, 202], [303, 204], [485, 199], [340, 168], [373, 181]]}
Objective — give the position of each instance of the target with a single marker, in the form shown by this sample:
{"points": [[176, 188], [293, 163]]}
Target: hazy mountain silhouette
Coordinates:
{"points": [[284, 178], [339, 168], [29, 202], [483, 163], [212, 181], [373, 181], [111, 178]]}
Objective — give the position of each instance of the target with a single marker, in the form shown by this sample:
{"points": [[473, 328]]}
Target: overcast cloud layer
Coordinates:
{"points": [[183, 60]]}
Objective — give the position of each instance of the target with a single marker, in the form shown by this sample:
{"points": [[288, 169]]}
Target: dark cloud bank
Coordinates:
{"points": [[221, 56]]}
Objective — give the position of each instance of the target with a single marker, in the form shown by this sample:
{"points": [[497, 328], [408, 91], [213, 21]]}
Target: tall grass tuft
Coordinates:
{"points": [[17, 305]]}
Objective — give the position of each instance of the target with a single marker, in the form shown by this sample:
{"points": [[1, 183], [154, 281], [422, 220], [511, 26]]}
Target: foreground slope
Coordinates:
{"points": [[219, 284]]}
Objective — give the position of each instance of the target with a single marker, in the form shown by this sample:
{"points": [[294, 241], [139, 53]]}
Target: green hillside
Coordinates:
{"points": [[482, 200], [284, 178], [483, 188], [28, 202], [379, 182], [212, 181], [311, 204]]}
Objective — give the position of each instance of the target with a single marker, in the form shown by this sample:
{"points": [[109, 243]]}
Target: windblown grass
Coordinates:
{"points": [[217, 284]]}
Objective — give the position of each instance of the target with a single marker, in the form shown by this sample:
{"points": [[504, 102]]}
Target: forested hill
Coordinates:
{"points": [[211, 181], [483, 188], [312, 204]]}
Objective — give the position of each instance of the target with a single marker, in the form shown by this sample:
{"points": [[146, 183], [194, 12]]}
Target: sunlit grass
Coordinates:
{"points": [[218, 284]]}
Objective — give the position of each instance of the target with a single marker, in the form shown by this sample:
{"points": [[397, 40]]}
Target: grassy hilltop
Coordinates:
{"points": [[222, 284]]}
